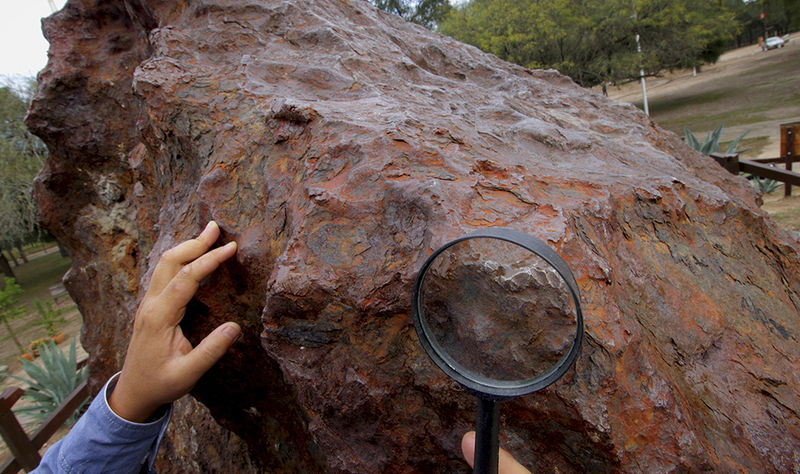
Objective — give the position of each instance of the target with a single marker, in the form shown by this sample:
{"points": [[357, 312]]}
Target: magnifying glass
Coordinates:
{"points": [[498, 311]]}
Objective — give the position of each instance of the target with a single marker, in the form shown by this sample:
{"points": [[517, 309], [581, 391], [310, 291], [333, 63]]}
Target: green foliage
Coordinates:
{"points": [[51, 383], [711, 143], [427, 13], [21, 157], [50, 317], [593, 41], [9, 309], [765, 185], [780, 17], [8, 298]]}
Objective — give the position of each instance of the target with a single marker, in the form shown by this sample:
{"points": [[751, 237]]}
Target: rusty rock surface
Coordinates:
{"points": [[339, 146]]}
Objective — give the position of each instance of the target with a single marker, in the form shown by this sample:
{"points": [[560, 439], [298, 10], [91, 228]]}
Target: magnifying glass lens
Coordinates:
{"points": [[498, 310]]}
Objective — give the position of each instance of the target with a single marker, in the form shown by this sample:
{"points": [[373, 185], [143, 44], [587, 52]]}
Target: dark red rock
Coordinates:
{"points": [[339, 146]]}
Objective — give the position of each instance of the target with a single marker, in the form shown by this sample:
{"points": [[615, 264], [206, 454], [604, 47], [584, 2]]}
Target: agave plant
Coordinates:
{"points": [[711, 143], [51, 383], [765, 185]]}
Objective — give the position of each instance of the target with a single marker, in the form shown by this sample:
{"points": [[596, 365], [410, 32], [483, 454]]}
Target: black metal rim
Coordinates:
{"points": [[473, 382]]}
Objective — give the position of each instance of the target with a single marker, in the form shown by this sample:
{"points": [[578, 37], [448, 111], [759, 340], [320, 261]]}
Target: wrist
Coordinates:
{"points": [[125, 404]]}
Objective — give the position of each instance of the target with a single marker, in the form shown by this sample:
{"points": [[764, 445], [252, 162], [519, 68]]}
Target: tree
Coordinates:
{"points": [[21, 157], [593, 41], [764, 18], [9, 309], [427, 13], [50, 317]]}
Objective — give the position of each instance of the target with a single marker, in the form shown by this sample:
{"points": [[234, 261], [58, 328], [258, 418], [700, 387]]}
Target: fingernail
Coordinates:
{"points": [[231, 332]]}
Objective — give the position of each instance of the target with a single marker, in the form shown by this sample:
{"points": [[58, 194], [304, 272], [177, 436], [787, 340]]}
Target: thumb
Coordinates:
{"points": [[211, 349], [507, 463]]}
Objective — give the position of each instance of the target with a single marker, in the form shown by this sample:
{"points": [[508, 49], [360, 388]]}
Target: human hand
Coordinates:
{"points": [[161, 365], [507, 463]]}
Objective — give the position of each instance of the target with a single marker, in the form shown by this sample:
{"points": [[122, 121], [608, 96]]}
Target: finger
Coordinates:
{"points": [[209, 352], [182, 288], [509, 465], [506, 465], [175, 258]]}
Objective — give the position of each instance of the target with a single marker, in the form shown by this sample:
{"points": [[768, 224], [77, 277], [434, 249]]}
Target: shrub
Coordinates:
{"points": [[9, 309], [50, 317]]}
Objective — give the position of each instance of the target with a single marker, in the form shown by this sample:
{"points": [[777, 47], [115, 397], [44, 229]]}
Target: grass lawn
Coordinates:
{"points": [[31, 249], [38, 275], [791, 217], [746, 90], [749, 147], [752, 96]]}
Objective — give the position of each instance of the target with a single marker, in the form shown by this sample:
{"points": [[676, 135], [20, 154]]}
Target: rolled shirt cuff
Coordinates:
{"points": [[101, 441]]}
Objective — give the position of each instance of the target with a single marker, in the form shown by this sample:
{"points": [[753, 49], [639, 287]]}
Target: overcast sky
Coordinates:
{"points": [[24, 49]]}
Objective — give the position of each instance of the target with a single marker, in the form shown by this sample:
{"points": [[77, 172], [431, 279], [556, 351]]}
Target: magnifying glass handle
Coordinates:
{"points": [[487, 437]]}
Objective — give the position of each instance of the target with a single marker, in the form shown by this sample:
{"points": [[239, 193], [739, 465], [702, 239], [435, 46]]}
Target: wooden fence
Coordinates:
{"points": [[24, 450], [790, 154]]}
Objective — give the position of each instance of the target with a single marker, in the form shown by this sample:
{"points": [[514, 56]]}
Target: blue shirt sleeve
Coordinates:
{"points": [[102, 442]]}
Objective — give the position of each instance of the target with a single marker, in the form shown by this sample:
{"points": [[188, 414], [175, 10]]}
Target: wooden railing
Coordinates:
{"points": [[24, 450], [761, 167]]}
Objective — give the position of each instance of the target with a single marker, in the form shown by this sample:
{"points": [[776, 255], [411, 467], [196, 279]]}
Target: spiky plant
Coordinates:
{"points": [[711, 143], [765, 185], [51, 383]]}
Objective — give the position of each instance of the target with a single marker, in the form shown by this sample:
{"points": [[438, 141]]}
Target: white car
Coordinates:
{"points": [[772, 43]]}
